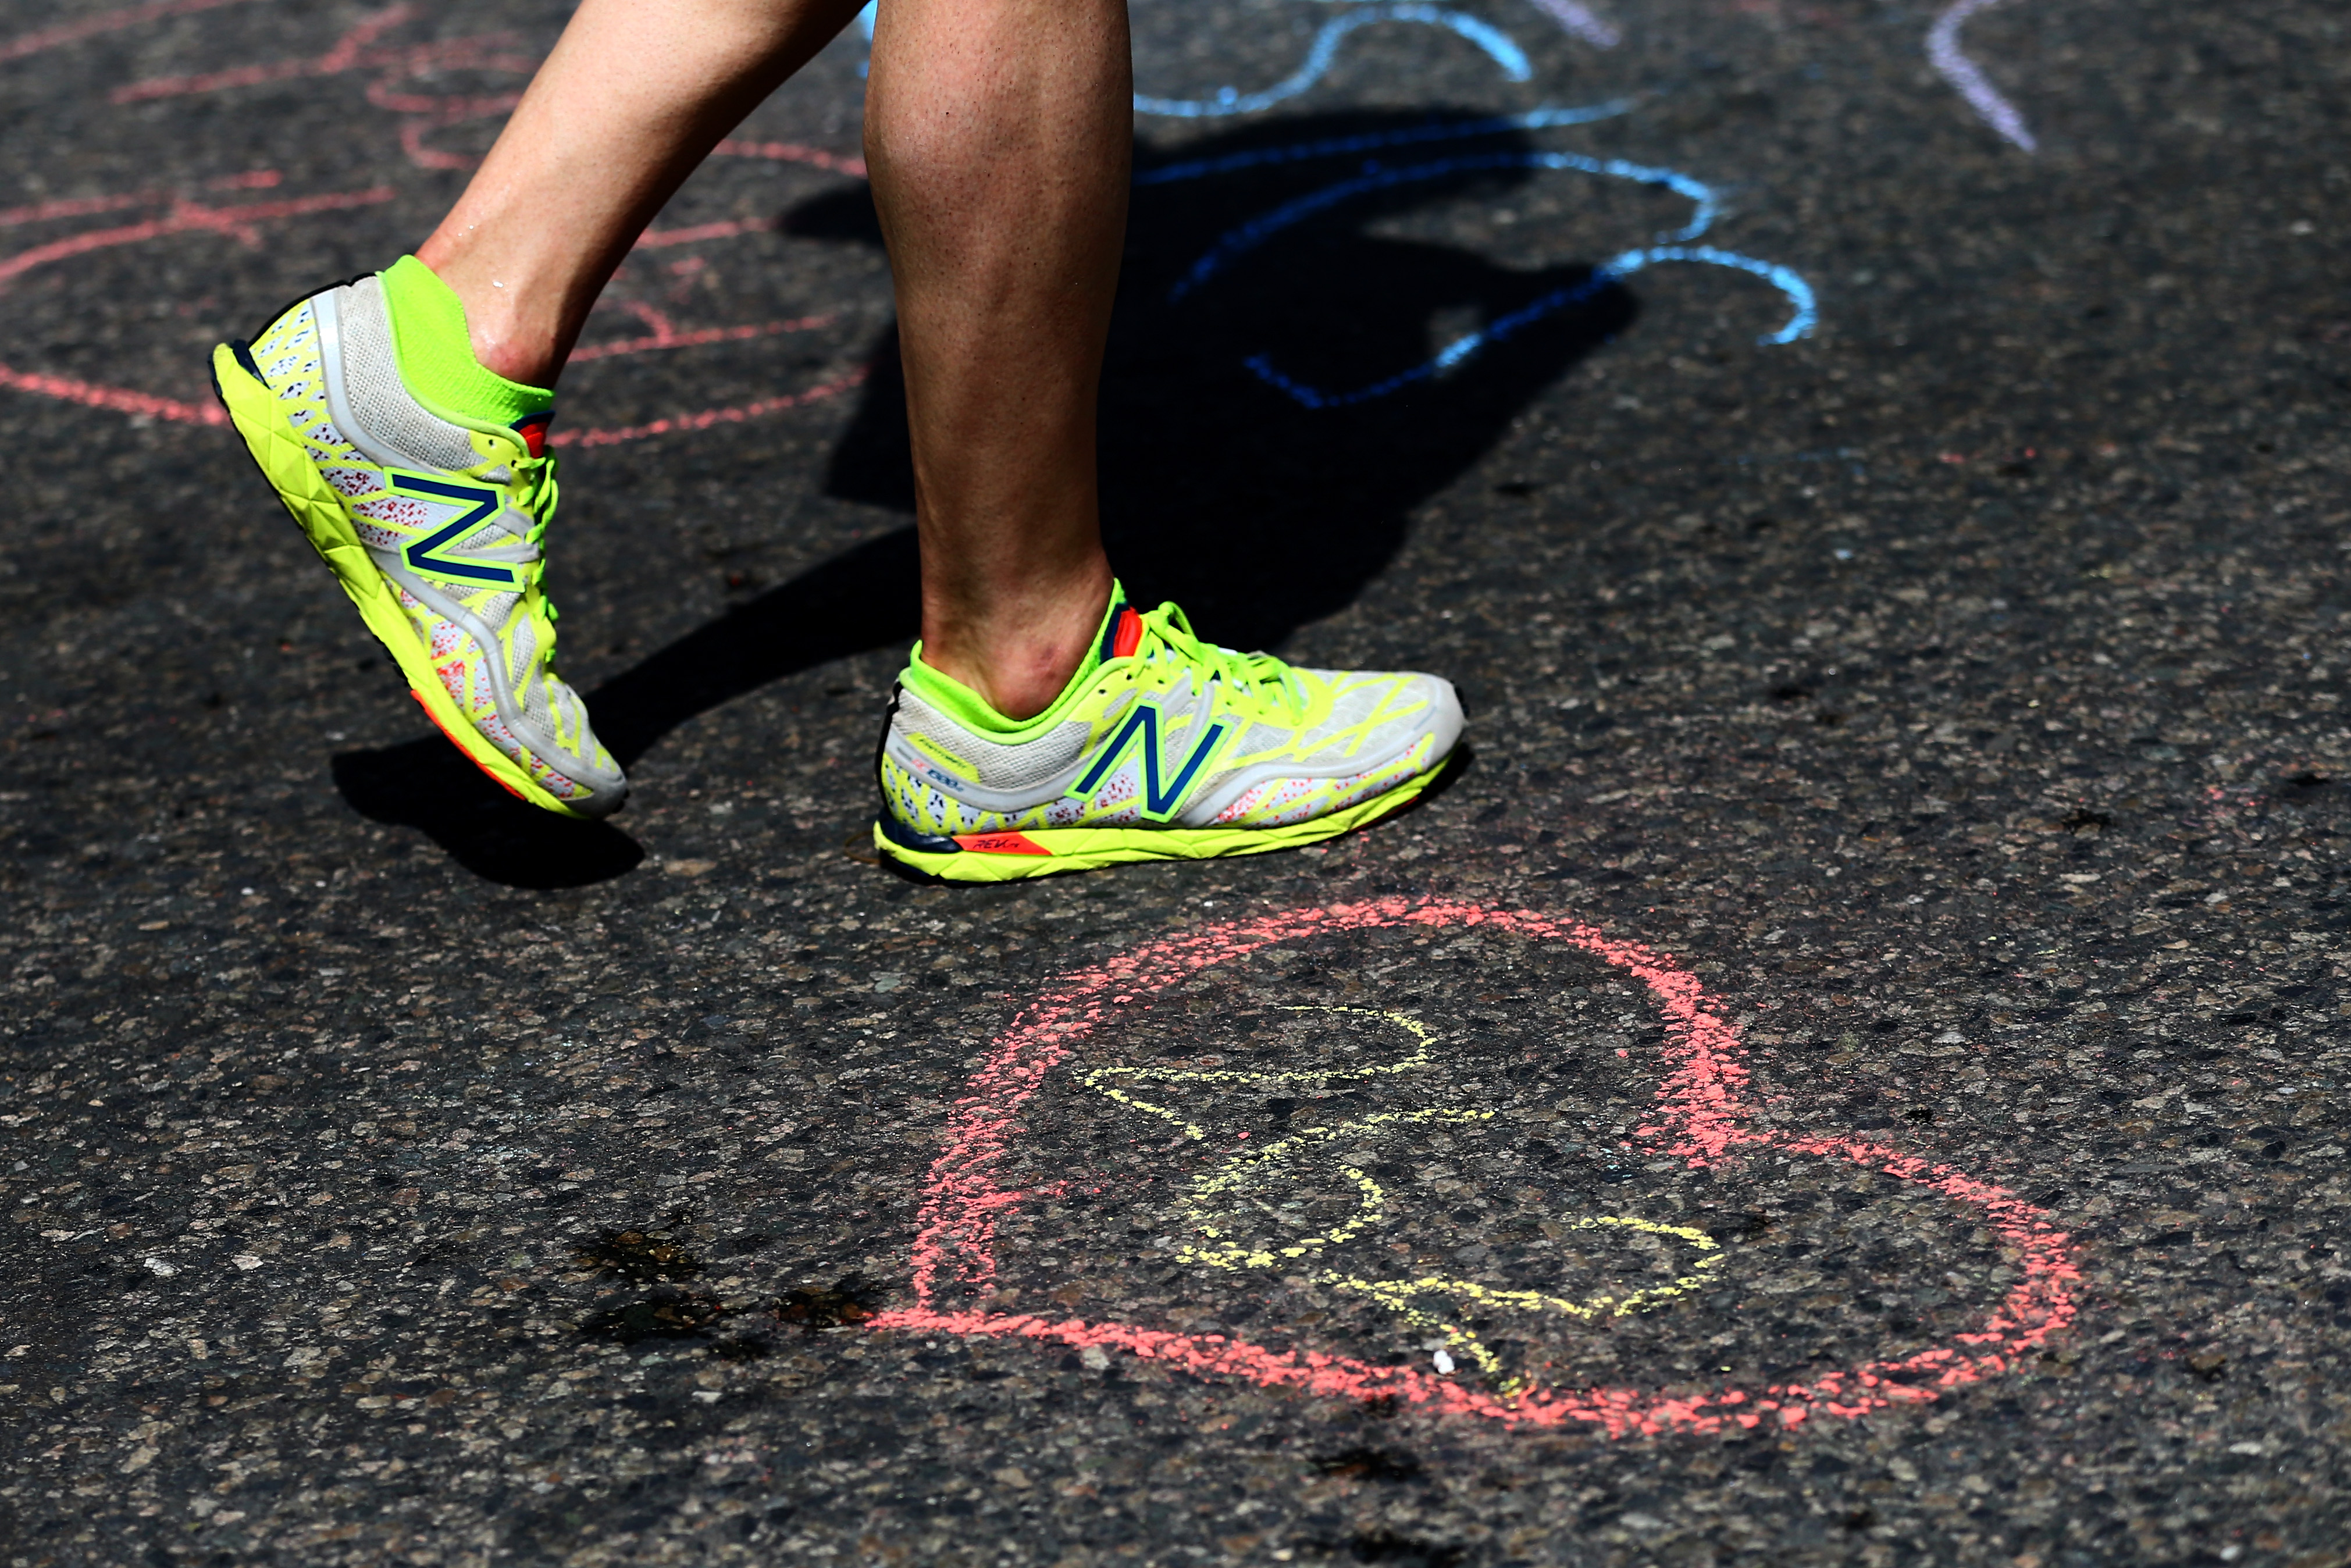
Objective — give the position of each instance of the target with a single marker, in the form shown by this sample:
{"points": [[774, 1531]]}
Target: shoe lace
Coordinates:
{"points": [[1257, 682], [537, 492]]}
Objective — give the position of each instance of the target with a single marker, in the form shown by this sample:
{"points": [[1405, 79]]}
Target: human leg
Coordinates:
{"points": [[632, 98], [401, 418], [1045, 723], [998, 133]]}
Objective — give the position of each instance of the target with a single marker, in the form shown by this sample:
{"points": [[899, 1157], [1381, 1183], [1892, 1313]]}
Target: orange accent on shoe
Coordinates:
{"points": [[469, 756], [1129, 635], [1002, 843]]}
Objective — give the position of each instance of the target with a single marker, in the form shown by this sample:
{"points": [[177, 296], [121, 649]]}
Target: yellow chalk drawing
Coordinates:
{"points": [[1429, 1303], [1418, 1058]]}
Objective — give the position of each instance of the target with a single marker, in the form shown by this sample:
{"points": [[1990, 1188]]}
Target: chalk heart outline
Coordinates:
{"points": [[1699, 1116]]}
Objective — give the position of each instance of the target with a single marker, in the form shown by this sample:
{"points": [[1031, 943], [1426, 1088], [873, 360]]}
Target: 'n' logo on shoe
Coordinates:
{"points": [[423, 555], [1141, 728]]}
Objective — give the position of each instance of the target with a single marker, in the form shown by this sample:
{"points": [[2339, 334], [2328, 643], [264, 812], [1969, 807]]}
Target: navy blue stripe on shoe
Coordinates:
{"points": [[907, 838]]}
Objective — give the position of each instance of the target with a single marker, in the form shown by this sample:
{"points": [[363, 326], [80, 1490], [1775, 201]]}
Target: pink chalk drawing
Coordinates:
{"points": [[181, 215], [1943, 53], [351, 51], [792, 153], [359, 49], [174, 214], [394, 70], [1701, 1116], [90, 206], [662, 333], [64, 33], [711, 418], [423, 113], [241, 224]]}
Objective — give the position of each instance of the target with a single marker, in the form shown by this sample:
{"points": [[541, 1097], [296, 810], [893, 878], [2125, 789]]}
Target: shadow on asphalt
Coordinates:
{"points": [[429, 785], [1255, 510], [861, 599]]}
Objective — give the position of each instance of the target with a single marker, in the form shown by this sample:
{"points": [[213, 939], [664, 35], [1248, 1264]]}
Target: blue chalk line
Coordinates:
{"points": [[1804, 314], [1452, 354], [1325, 49], [1801, 322], [1372, 142], [1505, 53], [1375, 177], [1320, 56], [1610, 271]]}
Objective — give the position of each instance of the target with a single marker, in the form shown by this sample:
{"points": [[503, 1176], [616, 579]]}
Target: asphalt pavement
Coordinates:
{"points": [[1849, 1068]]}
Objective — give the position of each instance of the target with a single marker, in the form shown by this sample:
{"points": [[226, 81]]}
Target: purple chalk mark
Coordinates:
{"points": [[1578, 19], [1943, 51]]}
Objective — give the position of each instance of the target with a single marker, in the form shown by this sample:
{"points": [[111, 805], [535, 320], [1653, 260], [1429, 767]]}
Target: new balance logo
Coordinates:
{"points": [[423, 555], [1141, 729]]}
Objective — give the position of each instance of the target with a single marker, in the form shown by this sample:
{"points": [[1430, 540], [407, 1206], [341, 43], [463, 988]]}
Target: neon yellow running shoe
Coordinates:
{"points": [[1161, 748], [434, 525]]}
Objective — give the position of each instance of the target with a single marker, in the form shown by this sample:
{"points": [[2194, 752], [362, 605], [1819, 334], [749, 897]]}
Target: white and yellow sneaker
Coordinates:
{"points": [[436, 525], [1161, 748]]}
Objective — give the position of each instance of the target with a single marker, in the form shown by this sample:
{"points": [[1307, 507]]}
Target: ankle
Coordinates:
{"points": [[504, 348], [506, 335], [1018, 657], [435, 340], [1020, 678]]}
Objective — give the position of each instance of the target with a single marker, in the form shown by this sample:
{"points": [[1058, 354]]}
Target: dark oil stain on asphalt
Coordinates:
{"points": [[638, 1255], [665, 1314], [847, 1300], [1370, 1464]]}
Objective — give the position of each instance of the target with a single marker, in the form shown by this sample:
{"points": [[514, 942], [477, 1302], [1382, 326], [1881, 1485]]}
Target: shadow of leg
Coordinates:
{"points": [[863, 598], [429, 785], [868, 597], [1258, 509]]}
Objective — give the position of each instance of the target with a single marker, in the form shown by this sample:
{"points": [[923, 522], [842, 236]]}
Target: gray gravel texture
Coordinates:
{"points": [[395, 1175]]}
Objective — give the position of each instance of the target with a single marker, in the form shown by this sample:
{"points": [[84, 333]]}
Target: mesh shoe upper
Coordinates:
{"points": [[455, 519], [1170, 732]]}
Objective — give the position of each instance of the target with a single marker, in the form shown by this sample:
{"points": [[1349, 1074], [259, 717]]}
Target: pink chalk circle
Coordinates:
{"points": [[1699, 1116]]}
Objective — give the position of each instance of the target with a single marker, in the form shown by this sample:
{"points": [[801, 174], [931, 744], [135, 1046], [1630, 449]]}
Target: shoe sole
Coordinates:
{"points": [[1049, 852], [317, 510]]}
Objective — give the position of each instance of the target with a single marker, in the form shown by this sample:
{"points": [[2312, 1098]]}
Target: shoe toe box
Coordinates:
{"points": [[1444, 719], [572, 764], [1384, 715]]}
